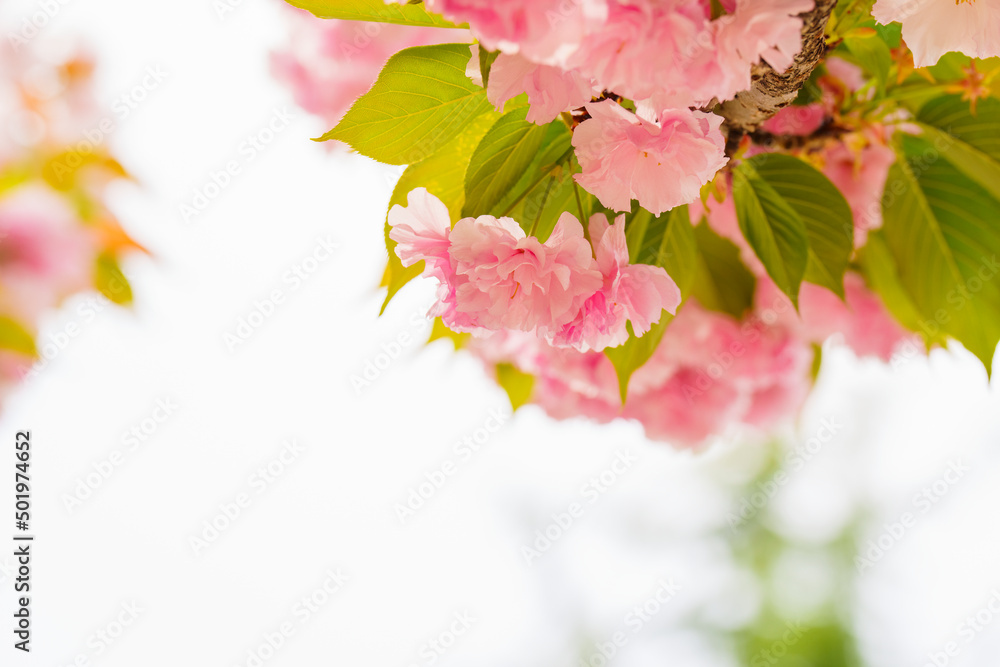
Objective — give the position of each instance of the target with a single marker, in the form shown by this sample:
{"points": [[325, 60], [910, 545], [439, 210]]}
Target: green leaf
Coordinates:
{"points": [[13, 175], [667, 241], [817, 362], [16, 338], [882, 275], [640, 243], [772, 228], [516, 383], [542, 209], [872, 54], [941, 228], [486, 59], [848, 15], [443, 174], [500, 161], [722, 282], [971, 142], [891, 34], [420, 102], [546, 189], [395, 275], [373, 10], [823, 210], [110, 281], [630, 356], [440, 332]]}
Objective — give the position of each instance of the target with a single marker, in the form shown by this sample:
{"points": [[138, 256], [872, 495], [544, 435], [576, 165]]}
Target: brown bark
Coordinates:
{"points": [[770, 90]]}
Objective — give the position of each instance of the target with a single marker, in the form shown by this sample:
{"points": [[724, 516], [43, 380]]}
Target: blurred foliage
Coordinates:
{"points": [[774, 638]]}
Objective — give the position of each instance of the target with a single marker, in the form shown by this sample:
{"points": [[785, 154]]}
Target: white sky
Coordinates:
{"points": [[331, 507]]}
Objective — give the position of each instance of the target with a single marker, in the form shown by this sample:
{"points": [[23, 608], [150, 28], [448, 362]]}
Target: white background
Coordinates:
{"points": [[332, 507]]}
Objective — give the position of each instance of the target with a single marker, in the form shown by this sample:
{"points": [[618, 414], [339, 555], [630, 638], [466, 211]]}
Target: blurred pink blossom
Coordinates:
{"points": [[796, 120], [45, 254], [861, 321], [545, 31], [860, 175], [709, 375], [329, 63]]}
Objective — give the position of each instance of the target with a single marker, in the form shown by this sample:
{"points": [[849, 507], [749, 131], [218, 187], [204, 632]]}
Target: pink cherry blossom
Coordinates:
{"points": [[675, 54], [545, 31], [768, 30], [712, 373], [846, 73], [514, 281], [932, 28], [715, 373], [421, 231], [661, 164], [841, 78], [551, 90], [632, 292], [572, 384], [494, 276], [663, 49], [863, 322], [568, 383]]}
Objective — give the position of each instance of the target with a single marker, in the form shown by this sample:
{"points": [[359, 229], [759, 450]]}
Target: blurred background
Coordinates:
{"points": [[249, 467]]}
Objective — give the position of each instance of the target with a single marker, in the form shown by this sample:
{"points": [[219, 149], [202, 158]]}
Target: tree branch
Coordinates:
{"points": [[770, 90]]}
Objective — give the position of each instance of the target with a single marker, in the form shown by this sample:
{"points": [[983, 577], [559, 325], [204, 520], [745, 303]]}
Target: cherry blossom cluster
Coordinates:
{"points": [[640, 87], [493, 277], [713, 374], [666, 57], [710, 374]]}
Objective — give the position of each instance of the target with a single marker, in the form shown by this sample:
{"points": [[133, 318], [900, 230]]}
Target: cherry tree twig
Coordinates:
{"points": [[772, 91]]}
